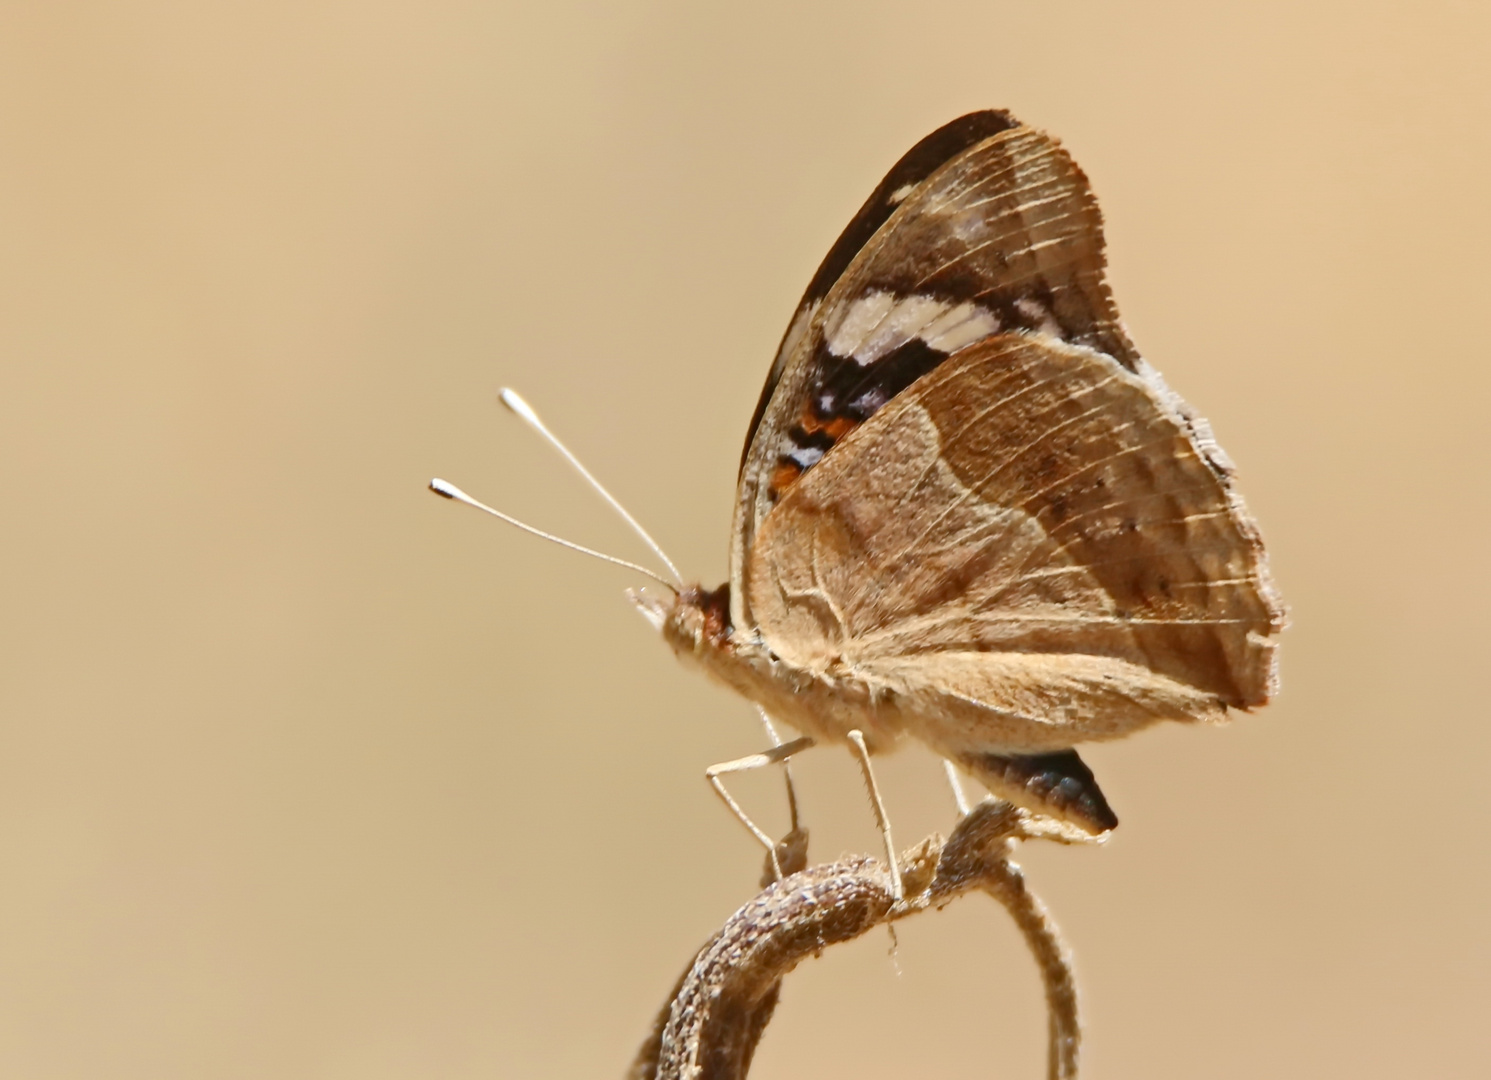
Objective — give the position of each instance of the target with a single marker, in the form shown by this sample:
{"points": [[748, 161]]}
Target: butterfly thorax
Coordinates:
{"points": [[825, 702]]}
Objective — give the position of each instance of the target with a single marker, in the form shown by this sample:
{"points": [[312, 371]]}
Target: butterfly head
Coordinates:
{"points": [[693, 619]]}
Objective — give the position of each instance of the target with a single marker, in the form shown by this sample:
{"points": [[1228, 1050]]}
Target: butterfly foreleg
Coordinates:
{"points": [[862, 753], [779, 753]]}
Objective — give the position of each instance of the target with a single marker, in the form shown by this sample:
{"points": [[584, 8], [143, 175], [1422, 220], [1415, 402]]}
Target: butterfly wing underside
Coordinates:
{"points": [[965, 488], [986, 226], [1025, 550]]}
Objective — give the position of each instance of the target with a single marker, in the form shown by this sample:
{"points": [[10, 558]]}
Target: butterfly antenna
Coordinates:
{"points": [[450, 491], [515, 402]]}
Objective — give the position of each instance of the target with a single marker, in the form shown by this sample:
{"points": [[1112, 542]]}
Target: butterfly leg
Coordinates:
{"points": [[776, 740], [780, 752], [952, 781], [857, 740]]}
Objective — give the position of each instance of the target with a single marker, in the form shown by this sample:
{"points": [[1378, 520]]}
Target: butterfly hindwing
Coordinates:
{"points": [[1029, 502]]}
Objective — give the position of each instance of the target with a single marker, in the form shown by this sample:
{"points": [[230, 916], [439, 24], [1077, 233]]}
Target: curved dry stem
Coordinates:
{"points": [[721, 1005], [1064, 1033]]}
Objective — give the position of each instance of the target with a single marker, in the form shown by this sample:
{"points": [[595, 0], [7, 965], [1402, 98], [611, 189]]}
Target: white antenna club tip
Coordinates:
{"points": [[448, 490], [514, 401]]}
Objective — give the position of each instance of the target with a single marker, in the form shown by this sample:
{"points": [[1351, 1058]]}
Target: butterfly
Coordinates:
{"points": [[968, 512]]}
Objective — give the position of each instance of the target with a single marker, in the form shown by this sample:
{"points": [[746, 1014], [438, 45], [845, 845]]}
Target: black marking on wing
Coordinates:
{"points": [[857, 393], [918, 163], [845, 393], [841, 404], [844, 387]]}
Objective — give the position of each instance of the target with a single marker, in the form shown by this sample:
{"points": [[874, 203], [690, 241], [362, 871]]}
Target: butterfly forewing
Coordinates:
{"points": [[1003, 237], [918, 163]]}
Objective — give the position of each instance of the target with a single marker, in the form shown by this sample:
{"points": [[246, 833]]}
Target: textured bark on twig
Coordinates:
{"points": [[711, 1024]]}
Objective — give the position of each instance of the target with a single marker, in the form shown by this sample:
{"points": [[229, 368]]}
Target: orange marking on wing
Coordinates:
{"points": [[783, 477], [835, 428]]}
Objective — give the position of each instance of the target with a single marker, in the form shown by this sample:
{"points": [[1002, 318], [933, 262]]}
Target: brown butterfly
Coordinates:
{"points": [[968, 511]]}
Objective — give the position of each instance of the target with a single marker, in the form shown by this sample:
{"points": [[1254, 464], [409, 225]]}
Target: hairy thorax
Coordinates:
{"points": [[825, 703]]}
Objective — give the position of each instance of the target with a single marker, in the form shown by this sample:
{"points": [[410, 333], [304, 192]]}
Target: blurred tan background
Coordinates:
{"points": [[305, 773]]}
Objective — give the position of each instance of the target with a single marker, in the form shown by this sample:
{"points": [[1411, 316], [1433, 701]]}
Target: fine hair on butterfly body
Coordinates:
{"points": [[968, 511]]}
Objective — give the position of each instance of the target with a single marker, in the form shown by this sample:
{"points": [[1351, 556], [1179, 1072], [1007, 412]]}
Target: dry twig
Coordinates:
{"points": [[721, 1005]]}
